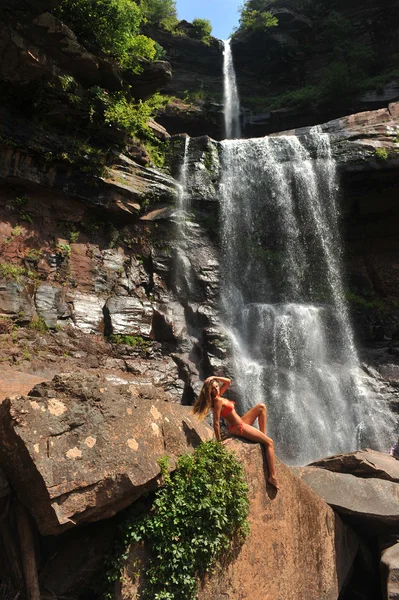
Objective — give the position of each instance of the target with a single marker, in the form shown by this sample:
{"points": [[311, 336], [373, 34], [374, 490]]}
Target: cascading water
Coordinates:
{"points": [[282, 298], [231, 99], [182, 263]]}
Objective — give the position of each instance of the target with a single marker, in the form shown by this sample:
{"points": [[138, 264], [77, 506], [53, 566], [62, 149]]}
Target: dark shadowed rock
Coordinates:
{"points": [[154, 75], [370, 502], [79, 449], [364, 463], [389, 571]]}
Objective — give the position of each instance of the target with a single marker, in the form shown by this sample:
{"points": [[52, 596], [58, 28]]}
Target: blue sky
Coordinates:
{"points": [[223, 14]]}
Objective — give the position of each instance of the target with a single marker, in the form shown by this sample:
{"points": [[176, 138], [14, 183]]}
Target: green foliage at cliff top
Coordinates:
{"points": [[195, 518], [110, 25], [202, 30], [160, 12]]}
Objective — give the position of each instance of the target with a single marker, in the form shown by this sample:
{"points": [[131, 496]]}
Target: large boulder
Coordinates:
{"points": [[365, 501], [363, 463], [298, 547], [79, 449]]}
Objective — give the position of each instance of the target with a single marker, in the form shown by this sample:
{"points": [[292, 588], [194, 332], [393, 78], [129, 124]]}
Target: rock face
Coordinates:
{"points": [[361, 497], [273, 563], [293, 75], [364, 463], [80, 449], [389, 569]]}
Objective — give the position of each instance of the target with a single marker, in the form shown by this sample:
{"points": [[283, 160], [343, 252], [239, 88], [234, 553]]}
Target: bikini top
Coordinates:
{"points": [[227, 408]]}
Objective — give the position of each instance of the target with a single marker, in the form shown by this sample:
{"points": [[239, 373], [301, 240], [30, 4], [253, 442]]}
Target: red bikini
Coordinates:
{"points": [[226, 410]]}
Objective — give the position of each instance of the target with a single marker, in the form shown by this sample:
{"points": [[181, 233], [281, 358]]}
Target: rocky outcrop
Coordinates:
{"points": [[272, 562], [78, 449], [196, 87], [316, 65], [350, 488], [364, 463]]}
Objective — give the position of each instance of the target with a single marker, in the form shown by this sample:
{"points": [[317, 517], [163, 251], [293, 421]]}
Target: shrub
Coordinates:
{"points": [[195, 519], [130, 340], [10, 271], [38, 324], [381, 153], [202, 30]]}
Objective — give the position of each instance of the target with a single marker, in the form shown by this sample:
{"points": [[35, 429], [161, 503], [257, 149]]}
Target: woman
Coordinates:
{"points": [[211, 396]]}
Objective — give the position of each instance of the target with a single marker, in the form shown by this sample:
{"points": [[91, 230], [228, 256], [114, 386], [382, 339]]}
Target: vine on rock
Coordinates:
{"points": [[197, 519]]}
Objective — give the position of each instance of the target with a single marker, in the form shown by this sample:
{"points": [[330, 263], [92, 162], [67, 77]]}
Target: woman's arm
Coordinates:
{"points": [[225, 384], [217, 409]]}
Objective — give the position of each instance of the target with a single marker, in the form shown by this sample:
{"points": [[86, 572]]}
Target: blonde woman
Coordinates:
{"points": [[210, 397]]}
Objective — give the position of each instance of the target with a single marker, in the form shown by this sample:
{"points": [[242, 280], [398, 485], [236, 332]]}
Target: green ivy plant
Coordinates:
{"points": [[196, 519]]}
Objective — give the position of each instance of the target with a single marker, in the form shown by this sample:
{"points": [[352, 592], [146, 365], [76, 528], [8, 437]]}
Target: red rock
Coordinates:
{"points": [[79, 449], [298, 548]]}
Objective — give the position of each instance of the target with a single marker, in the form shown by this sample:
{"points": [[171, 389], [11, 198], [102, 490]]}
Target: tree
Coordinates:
{"points": [[256, 20], [158, 12], [111, 25], [202, 30]]}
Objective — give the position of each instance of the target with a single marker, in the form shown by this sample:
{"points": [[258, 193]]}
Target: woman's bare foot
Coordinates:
{"points": [[274, 482]]}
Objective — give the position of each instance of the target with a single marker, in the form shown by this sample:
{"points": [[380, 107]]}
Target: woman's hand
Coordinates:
{"points": [[208, 379]]}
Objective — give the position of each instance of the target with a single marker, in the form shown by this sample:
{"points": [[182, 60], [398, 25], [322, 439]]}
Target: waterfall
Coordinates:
{"points": [[182, 266], [231, 100], [283, 301]]}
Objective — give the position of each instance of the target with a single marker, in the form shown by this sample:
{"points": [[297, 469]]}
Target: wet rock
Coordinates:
{"points": [[79, 449], [364, 463], [129, 316]]}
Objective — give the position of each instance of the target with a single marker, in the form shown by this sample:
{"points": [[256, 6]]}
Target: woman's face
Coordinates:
{"points": [[214, 389]]}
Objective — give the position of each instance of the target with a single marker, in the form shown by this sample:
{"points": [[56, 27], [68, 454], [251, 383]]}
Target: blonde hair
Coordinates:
{"points": [[204, 400]]}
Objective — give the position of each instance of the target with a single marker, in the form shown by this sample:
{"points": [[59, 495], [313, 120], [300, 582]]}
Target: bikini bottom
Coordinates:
{"points": [[236, 429]]}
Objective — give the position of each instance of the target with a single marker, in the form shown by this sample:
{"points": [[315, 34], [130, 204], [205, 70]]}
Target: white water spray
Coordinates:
{"points": [[283, 300]]}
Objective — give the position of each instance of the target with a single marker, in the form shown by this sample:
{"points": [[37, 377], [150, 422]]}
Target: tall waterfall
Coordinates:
{"points": [[283, 301], [231, 99]]}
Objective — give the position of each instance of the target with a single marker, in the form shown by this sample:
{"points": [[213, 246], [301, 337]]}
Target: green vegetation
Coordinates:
{"points": [[202, 29], [38, 324], [381, 153], [33, 255], [110, 25], [65, 250], [352, 65], [11, 272], [195, 520], [160, 12], [256, 20], [130, 340]]}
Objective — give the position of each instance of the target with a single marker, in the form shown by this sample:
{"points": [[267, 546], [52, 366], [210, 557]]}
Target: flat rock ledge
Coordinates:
{"points": [[80, 449]]}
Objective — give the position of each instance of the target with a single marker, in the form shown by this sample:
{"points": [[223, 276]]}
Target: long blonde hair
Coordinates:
{"points": [[204, 401]]}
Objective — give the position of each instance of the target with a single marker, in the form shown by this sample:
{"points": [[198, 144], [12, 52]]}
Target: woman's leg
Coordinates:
{"points": [[257, 412], [251, 433]]}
